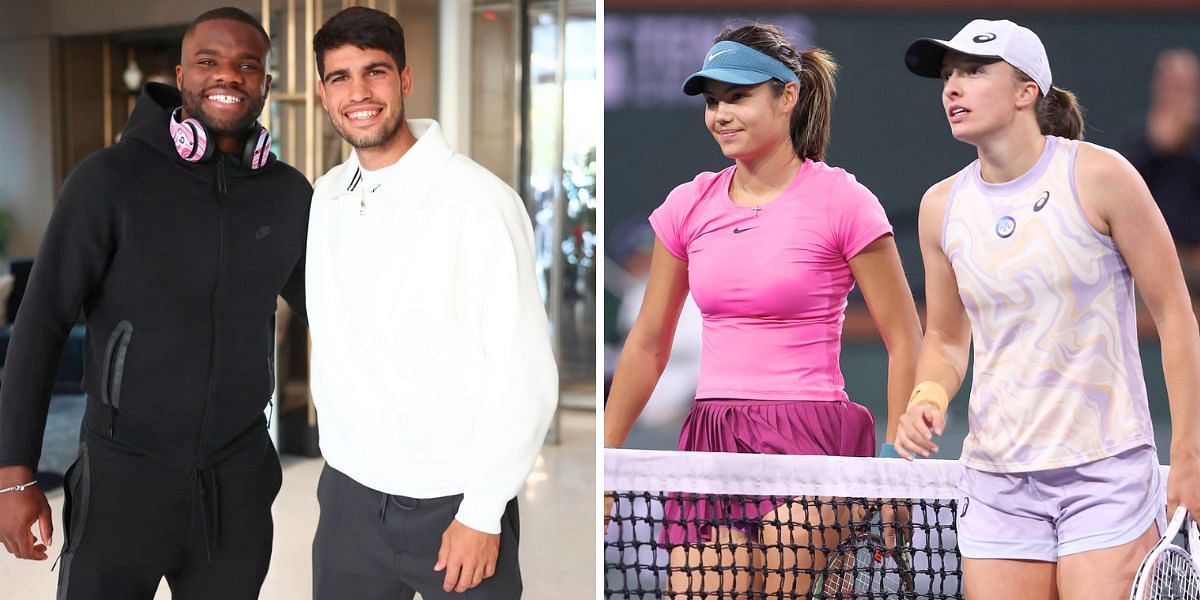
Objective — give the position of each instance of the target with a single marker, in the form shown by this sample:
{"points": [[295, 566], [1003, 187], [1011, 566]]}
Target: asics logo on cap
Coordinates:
{"points": [[716, 54], [1016, 45]]}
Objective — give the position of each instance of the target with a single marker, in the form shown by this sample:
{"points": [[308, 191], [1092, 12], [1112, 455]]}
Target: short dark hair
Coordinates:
{"points": [[360, 26], [229, 13]]}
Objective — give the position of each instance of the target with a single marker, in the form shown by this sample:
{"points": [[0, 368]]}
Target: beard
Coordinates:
{"points": [[193, 104], [370, 139]]}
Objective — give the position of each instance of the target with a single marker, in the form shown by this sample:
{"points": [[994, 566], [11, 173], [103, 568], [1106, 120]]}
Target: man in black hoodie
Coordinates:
{"points": [[175, 243]]}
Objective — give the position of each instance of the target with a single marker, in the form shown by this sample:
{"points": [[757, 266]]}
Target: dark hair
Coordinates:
{"points": [[816, 69], [363, 27], [1058, 112], [229, 13]]}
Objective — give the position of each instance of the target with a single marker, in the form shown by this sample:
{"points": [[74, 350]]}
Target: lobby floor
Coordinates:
{"points": [[558, 543]]}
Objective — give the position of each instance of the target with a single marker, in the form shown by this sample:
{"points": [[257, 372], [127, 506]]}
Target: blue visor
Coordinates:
{"points": [[731, 62]]}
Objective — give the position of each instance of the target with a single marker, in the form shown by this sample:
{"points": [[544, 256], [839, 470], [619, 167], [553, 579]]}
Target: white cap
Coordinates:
{"points": [[1003, 40]]}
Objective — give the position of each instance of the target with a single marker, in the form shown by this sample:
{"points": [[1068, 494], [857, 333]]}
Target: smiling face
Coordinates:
{"points": [[222, 76], [363, 91], [748, 121], [982, 96]]}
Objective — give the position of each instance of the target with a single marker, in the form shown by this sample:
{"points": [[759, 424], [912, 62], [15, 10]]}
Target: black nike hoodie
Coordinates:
{"points": [[176, 267]]}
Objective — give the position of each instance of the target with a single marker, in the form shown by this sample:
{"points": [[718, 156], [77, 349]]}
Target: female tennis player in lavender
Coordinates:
{"points": [[769, 248], [1031, 252]]}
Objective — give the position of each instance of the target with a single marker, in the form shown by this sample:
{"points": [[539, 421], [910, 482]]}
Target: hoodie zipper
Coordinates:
{"points": [[222, 192]]}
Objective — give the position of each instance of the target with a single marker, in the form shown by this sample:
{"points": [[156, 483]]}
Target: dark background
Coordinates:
{"points": [[888, 126]]}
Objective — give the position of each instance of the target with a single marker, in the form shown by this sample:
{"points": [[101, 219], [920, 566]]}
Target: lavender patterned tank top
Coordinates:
{"points": [[1058, 379]]}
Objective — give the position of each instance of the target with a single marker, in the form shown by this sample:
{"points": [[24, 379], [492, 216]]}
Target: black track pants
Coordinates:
{"points": [[130, 521]]}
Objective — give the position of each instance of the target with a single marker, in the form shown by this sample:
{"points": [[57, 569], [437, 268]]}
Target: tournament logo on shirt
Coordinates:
{"points": [[1006, 226]]}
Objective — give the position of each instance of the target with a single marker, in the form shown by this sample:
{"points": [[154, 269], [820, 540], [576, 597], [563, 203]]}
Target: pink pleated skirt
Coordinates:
{"points": [[833, 428]]}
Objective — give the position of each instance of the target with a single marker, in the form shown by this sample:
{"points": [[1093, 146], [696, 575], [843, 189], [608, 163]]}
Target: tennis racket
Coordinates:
{"points": [[1169, 572], [864, 567]]}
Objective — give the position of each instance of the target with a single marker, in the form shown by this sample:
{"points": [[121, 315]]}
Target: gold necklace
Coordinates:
{"points": [[770, 194]]}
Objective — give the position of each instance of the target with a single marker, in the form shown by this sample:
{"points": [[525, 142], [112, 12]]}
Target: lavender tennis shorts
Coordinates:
{"points": [[1042, 515]]}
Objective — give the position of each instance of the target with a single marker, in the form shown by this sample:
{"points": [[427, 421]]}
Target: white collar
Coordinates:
{"points": [[412, 175]]}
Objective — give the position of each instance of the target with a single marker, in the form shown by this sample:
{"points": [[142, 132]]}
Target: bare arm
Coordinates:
{"points": [[879, 274], [1114, 194], [947, 342], [648, 346]]}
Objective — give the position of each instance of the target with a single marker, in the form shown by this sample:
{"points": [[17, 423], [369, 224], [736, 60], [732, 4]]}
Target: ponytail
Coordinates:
{"points": [[814, 109], [1059, 113], [810, 120]]}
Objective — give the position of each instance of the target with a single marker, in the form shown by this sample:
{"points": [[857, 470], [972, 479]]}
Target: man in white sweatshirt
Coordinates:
{"points": [[431, 364]]}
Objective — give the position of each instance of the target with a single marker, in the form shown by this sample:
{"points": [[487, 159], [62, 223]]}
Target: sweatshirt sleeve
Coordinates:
{"points": [[293, 291], [521, 381], [75, 252]]}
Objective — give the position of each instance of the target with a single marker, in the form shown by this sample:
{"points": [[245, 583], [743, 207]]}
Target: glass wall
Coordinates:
{"points": [[533, 124], [560, 175]]}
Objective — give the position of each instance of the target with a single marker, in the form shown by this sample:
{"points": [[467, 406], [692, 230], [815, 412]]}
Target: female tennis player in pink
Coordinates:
{"points": [[1031, 252], [769, 248]]}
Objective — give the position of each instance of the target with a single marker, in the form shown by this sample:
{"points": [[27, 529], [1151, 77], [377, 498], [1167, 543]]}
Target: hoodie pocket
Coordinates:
{"points": [[114, 371]]}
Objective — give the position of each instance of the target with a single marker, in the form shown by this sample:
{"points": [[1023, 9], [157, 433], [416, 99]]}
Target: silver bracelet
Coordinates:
{"points": [[19, 488]]}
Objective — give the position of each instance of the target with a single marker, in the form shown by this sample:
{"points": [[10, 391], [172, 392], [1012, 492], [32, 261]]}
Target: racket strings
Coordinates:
{"points": [[1173, 577], [843, 577]]}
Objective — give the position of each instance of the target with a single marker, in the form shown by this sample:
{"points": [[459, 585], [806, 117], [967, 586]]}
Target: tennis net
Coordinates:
{"points": [[750, 526]]}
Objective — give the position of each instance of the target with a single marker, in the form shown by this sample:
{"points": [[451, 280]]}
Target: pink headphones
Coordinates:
{"points": [[191, 142]]}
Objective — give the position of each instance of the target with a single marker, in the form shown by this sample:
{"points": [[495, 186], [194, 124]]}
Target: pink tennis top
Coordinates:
{"points": [[771, 284]]}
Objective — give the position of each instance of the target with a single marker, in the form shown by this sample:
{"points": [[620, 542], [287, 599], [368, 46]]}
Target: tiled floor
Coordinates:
{"points": [[558, 555]]}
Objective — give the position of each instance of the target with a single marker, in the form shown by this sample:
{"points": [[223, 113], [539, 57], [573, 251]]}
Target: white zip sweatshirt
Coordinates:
{"points": [[431, 366]]}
